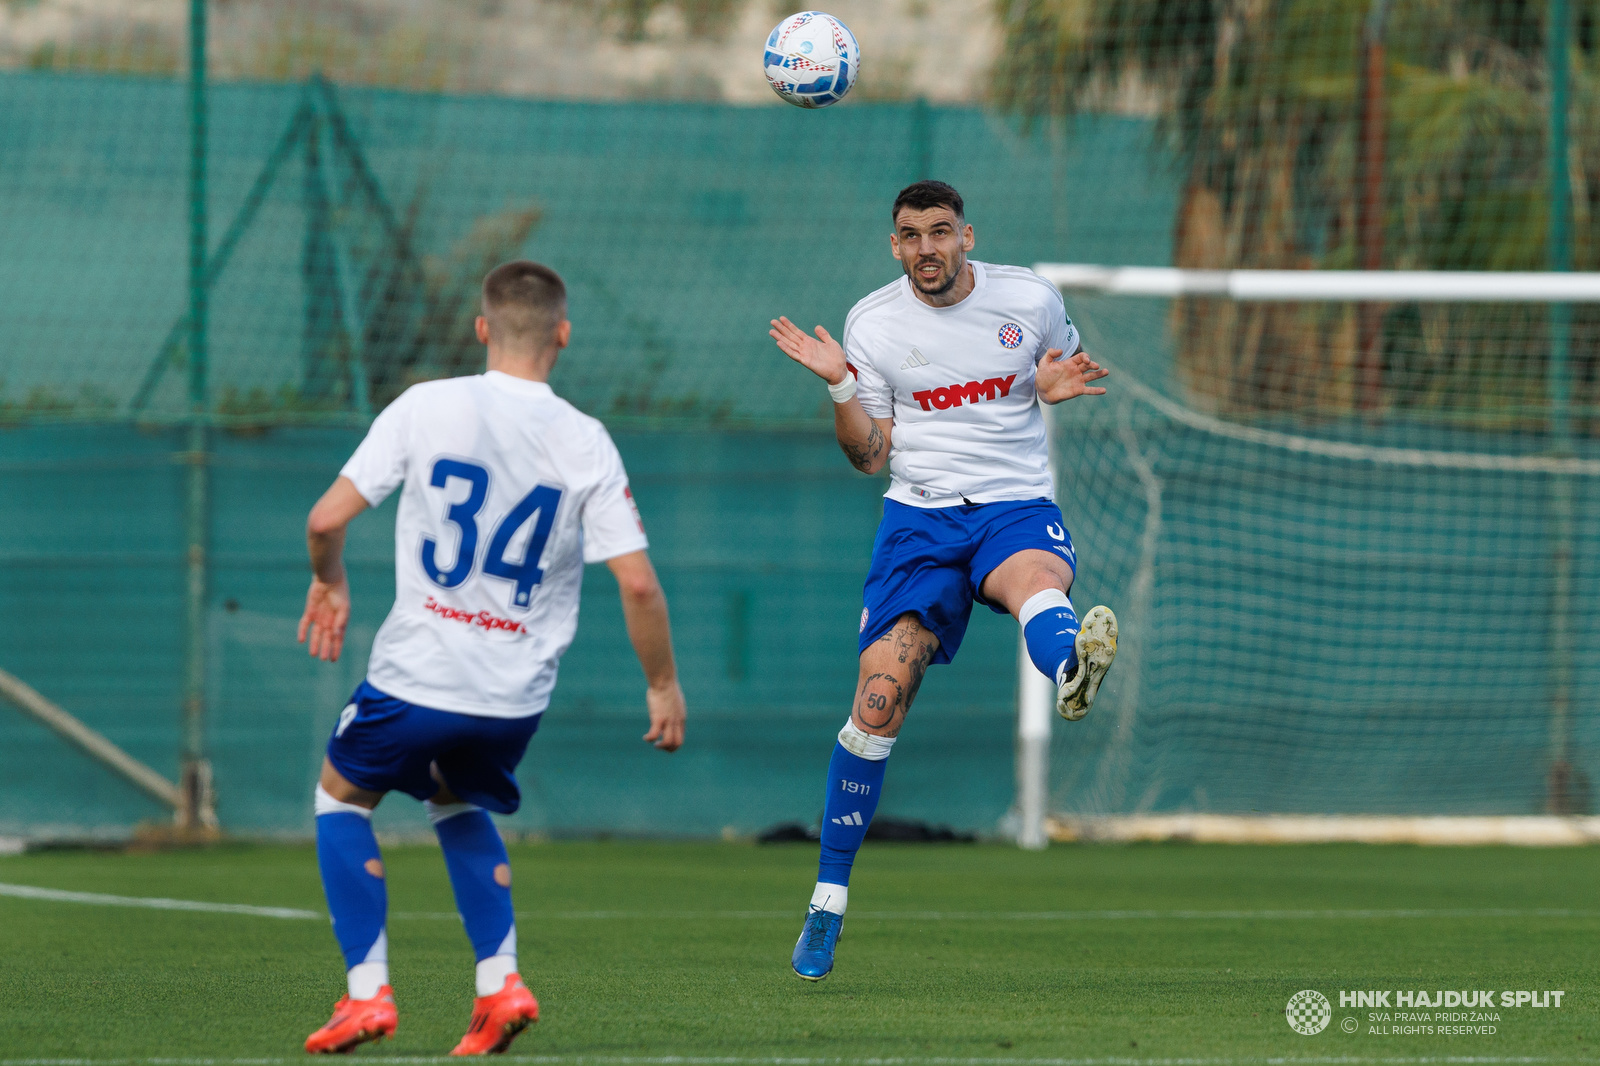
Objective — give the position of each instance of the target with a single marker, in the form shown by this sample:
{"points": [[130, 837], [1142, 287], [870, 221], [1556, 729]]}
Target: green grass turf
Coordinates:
{"points": [[662, 974]]}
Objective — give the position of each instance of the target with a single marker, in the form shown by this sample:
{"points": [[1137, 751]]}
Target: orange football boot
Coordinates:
{"points": [[355, 1021], [497, 1019]]}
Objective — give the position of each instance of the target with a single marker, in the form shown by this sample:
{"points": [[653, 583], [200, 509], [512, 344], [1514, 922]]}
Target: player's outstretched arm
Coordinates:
{"points": [[644, 607], [864, 439], [328, 600], [1066, 378]]}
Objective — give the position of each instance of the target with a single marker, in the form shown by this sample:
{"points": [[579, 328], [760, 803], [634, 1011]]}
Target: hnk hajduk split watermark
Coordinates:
{"points": [[1420, 1012]]}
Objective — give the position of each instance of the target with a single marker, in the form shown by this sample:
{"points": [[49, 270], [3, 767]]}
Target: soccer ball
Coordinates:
{"points": [[811, 59]]}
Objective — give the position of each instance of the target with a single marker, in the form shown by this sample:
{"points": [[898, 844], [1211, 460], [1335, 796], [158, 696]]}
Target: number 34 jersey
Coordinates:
{"points": [[508, 491]]}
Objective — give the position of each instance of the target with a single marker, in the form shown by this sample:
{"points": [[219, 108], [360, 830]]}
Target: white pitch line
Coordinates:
{"points": [[1044, 916], [1232, 915], [99, 899], [57, 895]]}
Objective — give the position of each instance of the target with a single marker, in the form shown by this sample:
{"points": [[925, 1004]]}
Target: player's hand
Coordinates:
{"points": [[820, 354], [1063, 379], [327, 614], [667, 714]]}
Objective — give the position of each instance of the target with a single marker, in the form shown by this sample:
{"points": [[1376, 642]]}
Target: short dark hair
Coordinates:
{"points": [[524, 303], [921, 195]]}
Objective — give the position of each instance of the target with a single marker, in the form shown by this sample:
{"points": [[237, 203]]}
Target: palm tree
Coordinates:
{"points": [[1257, 104]]}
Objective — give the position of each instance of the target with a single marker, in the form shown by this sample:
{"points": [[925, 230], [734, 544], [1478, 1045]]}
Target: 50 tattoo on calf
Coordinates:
{"points": [[879, 702]]}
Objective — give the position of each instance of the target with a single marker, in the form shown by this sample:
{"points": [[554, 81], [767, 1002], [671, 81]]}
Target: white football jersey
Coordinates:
{"points": [[509, 490], [959, 383]]}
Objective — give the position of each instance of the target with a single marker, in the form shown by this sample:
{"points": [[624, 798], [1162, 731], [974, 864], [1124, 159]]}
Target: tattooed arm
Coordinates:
{"points": [[864, 439]]}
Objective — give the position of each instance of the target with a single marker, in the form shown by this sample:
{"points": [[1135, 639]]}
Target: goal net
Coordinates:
{"points": [[1352, 546]]}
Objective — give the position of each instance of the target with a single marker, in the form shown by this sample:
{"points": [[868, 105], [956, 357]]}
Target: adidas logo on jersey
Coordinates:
{"points": [[971, 392], [915, 360], [853, 818]]}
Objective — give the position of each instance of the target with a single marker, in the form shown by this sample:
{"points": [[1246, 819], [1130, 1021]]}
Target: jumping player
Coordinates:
{"points": [[506, 492], [941, 374]]}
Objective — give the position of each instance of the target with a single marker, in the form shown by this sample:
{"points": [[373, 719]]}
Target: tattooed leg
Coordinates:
{"points": [[892, 669]]}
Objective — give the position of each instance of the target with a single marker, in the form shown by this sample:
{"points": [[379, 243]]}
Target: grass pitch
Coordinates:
{"points": [[644, 950]]}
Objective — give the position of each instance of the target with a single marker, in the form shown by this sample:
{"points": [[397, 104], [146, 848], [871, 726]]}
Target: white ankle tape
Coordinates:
{"points": [[439, 812], [366, 979], [868, 746], [1041, 602], [830, 897], [492, 973], [326, 804]]}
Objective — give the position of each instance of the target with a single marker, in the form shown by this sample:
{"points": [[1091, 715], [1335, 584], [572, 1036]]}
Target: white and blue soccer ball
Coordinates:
{"points": [[811, 59]]}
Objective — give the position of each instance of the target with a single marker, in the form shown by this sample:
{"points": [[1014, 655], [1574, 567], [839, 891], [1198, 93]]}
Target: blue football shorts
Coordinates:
{"points": [[385, 744], [931, 561]]}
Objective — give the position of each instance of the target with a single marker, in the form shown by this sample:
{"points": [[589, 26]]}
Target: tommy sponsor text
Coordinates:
{"points": [[971, 392]]}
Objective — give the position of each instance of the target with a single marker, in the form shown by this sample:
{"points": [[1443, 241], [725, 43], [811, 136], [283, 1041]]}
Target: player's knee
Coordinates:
{"points": [[1059, 578], [336, 787], [1031, 583]]}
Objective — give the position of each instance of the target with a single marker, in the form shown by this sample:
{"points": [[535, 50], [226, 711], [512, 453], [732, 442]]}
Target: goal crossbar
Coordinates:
{"points": [[1331, 286]]}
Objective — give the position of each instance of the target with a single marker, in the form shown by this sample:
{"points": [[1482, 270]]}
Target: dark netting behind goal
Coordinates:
{"points": [[1324, 611]]}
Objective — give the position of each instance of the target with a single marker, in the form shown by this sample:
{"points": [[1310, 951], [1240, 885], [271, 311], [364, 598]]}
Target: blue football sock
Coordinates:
{"points": [[352, 877], [854, 785], [1050, 628], [480, 873]]}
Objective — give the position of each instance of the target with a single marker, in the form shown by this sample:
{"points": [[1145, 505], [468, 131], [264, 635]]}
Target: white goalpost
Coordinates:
{"points": [[1159, 413]]}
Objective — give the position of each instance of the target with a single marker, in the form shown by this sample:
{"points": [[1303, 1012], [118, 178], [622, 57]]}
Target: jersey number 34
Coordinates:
{"points": [[538, 505]]}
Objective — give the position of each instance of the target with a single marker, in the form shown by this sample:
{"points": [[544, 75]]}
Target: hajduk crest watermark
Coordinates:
{"points": [[1308, 1012], [1447, 1012]]}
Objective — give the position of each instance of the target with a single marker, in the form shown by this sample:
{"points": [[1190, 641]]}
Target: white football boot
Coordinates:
{"points": [[1096, 644]]}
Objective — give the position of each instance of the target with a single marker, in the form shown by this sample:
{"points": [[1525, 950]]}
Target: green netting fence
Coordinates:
{"points": [[350, 231]]}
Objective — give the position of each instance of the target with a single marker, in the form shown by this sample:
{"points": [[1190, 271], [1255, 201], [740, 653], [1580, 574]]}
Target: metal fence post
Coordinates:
{"points": [[1563, 791], [197, 809]]}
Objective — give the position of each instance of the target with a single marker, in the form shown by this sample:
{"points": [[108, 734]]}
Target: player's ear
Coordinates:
{"points": [[480, 326], [969, 240], [563, 335], [894, 244]]}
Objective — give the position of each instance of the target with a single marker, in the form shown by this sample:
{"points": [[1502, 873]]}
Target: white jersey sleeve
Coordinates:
{"points": [[872, 389], [877, 399], [1062, 333], [611, 522], [380, 464]]}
